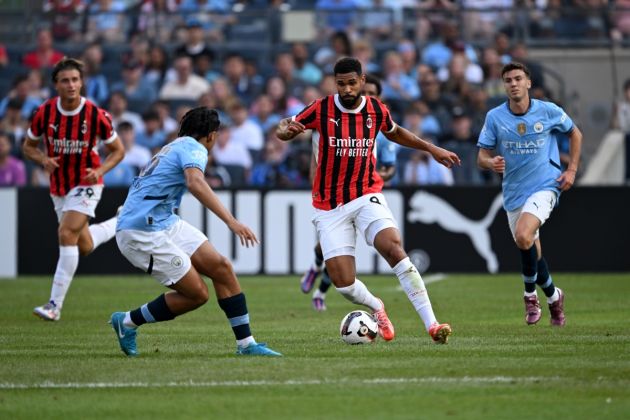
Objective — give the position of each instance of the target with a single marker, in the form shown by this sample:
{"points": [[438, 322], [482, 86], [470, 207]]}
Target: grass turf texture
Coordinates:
{"points": [[494, 366]]}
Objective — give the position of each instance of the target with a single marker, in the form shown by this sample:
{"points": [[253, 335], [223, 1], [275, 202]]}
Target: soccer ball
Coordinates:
{"points": [[358, 327]]}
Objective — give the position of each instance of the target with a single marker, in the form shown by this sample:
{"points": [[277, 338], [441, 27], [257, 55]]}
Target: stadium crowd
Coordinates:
{"points": [[148, 62]]}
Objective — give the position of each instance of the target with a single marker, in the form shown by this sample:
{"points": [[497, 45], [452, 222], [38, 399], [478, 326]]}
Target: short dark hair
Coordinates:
{"points": [[199, 122], [124, 126], [515, 66], [347, 65], [373, 80], [67, 63]]}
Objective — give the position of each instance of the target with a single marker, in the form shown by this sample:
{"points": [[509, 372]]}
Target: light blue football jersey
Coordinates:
{"points": [[157, 192], [528, 144]]}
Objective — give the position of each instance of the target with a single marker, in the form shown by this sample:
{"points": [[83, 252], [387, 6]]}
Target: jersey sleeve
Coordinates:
{"points": [[37, 127], [193, 157], [105, 128], [388, 125], [309, 116], [559, 119], [487, 137]]}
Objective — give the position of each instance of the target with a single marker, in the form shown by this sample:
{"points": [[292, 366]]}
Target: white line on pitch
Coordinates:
{"points": [[193, 384]]}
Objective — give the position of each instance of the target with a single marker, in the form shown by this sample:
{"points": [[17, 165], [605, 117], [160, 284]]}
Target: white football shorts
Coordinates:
{"points": [[164, 254], [337, 228], [82, 199], [540, 204]]}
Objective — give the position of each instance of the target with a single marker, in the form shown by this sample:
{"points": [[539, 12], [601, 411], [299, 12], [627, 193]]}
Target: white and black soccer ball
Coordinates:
{"points": [[358, 327]]}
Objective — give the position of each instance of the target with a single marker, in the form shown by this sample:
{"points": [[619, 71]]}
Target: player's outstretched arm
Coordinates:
{"points": [[406, 138], [198, 187], [288, 129], [115, 153]]}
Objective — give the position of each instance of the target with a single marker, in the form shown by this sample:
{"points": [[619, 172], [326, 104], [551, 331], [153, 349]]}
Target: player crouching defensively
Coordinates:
{"points": [[347, 192], [156, 240]]}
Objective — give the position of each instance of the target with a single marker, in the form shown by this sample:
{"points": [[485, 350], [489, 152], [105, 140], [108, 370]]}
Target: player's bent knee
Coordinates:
{"points": [[523, 240], [67, 236]]}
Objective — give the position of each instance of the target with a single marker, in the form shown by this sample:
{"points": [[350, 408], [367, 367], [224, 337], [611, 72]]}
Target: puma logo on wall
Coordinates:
{"points": [[428, 208]]}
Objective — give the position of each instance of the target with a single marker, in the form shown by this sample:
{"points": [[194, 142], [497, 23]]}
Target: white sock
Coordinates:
{"points": [[358, 293], [528, 294], [66, 267], [103, 232], [412, 284], [245, 342], [318, 294], [551, 299], [127, 322]]}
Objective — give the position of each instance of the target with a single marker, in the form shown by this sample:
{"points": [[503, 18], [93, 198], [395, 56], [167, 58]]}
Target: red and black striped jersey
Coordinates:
{"points": [[346, 154], [73, 137]]}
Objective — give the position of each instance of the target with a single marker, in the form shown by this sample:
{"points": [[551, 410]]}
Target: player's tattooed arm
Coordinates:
{"points": [[288, 129]]}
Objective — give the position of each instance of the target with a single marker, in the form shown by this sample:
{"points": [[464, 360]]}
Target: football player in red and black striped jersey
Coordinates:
{"points": [[347, 191], [71, 128]]}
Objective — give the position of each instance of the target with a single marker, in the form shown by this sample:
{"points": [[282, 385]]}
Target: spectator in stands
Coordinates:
{"points": [[409, 56], [216, 175], [205, 67], [491, 65], [423, 170], [37, 88], [194, 45], [440, 105], [119, 112], [477, 107], [136, 156], [152, 137], [242, 84], [285, 69], [157, 19], [339, 45], [187, 85], [364, 52], [106, 21], [502, 44], [459, 75], [139, 50], [245, 131], [284, 104], [223, 96], [167, 123], [396, 84], [272, 171], [95, 82], [304, 70], [157, 66], [464, 144], [233, 156], [14, 125], [263, 113], [328, 85], [64, 17], [12, 169], [139, 91], [21, 92], [45, 56], [438, 54]]}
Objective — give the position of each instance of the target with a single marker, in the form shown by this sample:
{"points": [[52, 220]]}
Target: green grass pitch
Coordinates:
{"points": [[494, 366]]}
